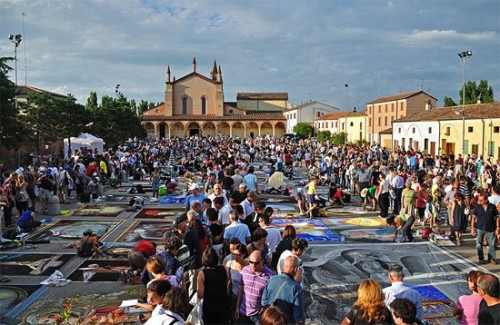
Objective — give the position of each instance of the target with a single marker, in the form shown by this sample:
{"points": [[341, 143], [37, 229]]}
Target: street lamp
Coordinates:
{"points": [[16, 39], [463, 58]]}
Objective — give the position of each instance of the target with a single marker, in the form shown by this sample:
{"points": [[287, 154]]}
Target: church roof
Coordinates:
{"points": [[210, 117], [262, 96]]}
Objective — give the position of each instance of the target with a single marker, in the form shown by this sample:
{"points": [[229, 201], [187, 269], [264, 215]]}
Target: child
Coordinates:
{"points": [[429, 213], [156, 292], [94, 188]]}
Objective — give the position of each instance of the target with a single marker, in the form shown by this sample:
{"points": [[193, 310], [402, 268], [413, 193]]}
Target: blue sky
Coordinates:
{"points": [[309, 49]]}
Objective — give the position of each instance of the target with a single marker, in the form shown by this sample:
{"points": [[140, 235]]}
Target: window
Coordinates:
{"points": [[430, 131], [491, 146], [230, 111], [379, 121], [475, 149], [318, 114], [380, 109], [413, 130], [385, 121], [327, 125], [448, 131], [184, 105], [370, 122], [203, 105], [361, 126], [496, 129], [343, 126], [352, 124], [399, 130], [470, 129], [386, 108]]}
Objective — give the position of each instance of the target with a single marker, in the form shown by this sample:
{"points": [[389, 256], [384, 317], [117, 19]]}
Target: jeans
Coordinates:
{"points": [[490, 237], [406, 230]]}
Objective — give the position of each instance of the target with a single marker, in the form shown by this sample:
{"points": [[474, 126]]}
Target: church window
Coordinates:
{"points": [[203, 105], [184, 105]]}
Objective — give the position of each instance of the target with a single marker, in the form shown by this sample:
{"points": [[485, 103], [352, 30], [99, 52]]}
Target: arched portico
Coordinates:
{"points": [[209, 129], [266, 128]]}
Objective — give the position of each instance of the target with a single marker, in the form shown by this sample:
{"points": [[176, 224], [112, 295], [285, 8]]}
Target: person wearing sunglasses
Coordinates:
{"points": [[254, 278]]}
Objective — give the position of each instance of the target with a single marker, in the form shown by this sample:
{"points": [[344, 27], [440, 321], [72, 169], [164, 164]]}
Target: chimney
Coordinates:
{"points": [[428, 105], [194, 64]]}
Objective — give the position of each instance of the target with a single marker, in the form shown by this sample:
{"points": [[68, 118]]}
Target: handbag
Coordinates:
{"points": [[195, 317]]}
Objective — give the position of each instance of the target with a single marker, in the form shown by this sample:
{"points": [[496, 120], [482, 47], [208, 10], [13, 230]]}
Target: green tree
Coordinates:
{"points": [[473, 92], [324, 136], [303, 130], [53, 118], [115, 120], [448, 101], [13, 132], [339, 138]]}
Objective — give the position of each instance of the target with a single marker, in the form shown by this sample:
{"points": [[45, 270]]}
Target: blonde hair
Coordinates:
{"points": [[371, 301]]}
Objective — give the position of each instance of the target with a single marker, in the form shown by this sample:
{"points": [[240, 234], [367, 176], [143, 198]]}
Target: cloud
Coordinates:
{"points": [[305, 48]]}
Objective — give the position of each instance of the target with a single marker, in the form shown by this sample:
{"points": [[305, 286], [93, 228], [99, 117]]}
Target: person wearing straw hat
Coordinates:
{"points": [[367, 194]]}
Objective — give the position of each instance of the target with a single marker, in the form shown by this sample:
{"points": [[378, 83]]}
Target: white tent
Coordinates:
{"points": [[85, 140]]}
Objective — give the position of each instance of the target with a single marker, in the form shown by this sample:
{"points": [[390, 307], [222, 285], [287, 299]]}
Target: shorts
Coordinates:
{"points": [[45, 194], [312, 198]]}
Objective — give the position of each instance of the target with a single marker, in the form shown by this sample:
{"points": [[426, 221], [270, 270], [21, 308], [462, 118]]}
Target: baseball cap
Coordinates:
{"points": [[179, 220], [194, 186]]}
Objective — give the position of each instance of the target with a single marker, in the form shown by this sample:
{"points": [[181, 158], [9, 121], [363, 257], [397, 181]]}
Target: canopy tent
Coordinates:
{"points": [[85, 140]]}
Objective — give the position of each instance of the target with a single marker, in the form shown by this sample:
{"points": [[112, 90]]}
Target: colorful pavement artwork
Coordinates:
{"points": [[150, 230], [72, 230], [333, 273], [358, 221], [98, 210], [380, 234], [438, 308], [313, 230], [98, 308], [32, 264], [11, 295], [159, 213]]}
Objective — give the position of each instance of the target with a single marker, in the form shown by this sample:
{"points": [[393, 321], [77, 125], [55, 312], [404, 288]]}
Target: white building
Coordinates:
{"points": [[306, 113], [419, 135]]}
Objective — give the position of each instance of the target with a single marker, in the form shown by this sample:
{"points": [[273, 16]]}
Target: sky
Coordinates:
{"points": [[309, 49]]}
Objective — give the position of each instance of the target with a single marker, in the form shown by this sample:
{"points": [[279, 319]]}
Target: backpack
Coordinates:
{"points": [[85, 249]]}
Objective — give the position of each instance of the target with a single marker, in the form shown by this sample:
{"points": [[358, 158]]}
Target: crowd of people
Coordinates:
{"points": [[223, 252]]}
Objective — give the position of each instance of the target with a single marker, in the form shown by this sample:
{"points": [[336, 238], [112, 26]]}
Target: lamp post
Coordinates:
{"points": [[16, 39], [463, 58]]}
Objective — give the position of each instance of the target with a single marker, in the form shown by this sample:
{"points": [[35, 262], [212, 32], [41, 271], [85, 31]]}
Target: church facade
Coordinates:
{"points": [[194, 105]]}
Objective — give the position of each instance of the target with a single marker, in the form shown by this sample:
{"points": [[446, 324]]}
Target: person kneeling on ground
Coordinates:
{"points": [[27, 221], [88, 244]]}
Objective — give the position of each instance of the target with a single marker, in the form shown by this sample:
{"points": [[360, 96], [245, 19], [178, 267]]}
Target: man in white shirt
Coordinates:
{"points": [[399, 290], [223, 210], [248, 204], [273, 233]]}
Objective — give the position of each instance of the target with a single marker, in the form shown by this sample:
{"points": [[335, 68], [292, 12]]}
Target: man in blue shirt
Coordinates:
{"points": [[27, 221], [282, 291], [195, 195]]}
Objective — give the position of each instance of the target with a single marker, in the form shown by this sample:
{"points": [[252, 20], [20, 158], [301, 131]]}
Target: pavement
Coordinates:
{"points": [[30, 303]]}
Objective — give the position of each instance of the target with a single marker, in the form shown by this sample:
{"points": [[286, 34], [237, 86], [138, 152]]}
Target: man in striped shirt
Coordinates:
{"points": [[254, 278]]}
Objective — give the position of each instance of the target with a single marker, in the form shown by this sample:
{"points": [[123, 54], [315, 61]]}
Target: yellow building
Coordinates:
{"points": [[470, 129], [194, 105], [477, 132], [354, 125]]}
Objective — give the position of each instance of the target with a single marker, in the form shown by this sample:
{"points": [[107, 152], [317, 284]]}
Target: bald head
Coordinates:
{"points": [[291, 264]]}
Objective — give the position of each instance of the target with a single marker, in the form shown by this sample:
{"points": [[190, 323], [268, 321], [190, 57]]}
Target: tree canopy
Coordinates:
{"points": [[303, 130], [473, 92]]}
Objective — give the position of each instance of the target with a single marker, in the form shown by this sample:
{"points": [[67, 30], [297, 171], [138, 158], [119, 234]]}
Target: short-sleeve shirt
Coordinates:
{"points": [[238, 230], [253, 286], [486, 218]]}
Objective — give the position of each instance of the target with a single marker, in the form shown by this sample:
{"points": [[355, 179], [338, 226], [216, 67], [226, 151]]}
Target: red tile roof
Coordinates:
{"points": [[240, 117], [30, 89], [262, 96], [474, 111], [398, 97], [333, 116]]}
